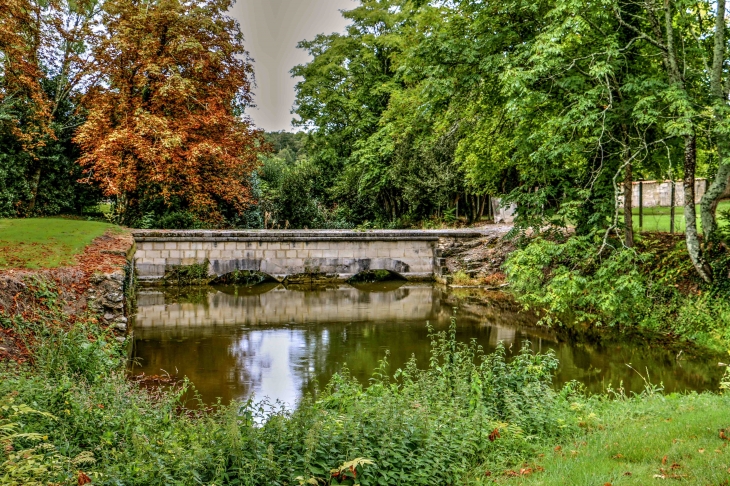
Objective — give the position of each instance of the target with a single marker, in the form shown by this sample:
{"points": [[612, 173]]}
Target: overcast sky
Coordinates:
{"points": [[272, 29]]}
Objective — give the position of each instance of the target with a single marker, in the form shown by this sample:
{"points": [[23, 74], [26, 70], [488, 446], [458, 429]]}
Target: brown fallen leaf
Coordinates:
{"points": [[675, 466], [725, 434], [494, 435], [627, 473], [487, 473], [667, 475], [701, 451], [83, 479], [525, 471], [557, 449], [617, 456], [664, 460]]}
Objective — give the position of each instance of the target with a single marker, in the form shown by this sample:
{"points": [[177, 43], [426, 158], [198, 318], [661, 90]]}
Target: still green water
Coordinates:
{"points": [[270, 341]]}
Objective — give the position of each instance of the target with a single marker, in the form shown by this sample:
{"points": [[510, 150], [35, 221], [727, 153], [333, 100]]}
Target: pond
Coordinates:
{"points": [[277, 342]]}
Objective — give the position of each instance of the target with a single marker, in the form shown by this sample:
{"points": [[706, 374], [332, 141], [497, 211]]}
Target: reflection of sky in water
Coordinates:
{"points": [[283, 343], [274, 361]]}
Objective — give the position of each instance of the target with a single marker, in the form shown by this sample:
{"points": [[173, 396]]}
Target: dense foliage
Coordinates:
{"points": [[652, 288], [423, 107]]}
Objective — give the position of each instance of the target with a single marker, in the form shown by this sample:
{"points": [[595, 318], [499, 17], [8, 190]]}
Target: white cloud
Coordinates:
{"points": [[272, 29]]}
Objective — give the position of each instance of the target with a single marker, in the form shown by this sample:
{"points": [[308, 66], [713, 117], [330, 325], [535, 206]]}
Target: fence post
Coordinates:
{"points": [[671, 209], [641, 204]]}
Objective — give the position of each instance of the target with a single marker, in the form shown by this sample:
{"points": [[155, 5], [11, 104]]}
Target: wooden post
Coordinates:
{"points": [[671, 209], [641, 204]]}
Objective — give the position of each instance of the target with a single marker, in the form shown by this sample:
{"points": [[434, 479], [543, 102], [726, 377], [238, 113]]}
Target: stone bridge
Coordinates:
{"points": [[332, 254]]}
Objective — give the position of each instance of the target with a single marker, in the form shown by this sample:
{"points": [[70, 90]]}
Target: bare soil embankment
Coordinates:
{"points": [[478, 261], [95, 283]]}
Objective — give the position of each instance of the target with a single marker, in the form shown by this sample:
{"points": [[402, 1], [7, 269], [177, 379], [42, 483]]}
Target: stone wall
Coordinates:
{"points": [[105, 296], [281, 254], [503, 214], [659, 193]]}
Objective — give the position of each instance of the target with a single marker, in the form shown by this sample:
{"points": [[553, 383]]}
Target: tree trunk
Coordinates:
{"points": [[628, 205], [34, 184], [719, 187], [690, 212], [718, 190]]}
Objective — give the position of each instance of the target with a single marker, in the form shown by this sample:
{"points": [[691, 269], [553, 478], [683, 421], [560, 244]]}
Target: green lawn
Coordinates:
{"points": [[658, 219], [45, 242], [642, 441]]}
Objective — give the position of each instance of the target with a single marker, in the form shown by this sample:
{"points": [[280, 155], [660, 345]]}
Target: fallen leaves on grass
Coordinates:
{"points": [[671, 473], [524, 471]]}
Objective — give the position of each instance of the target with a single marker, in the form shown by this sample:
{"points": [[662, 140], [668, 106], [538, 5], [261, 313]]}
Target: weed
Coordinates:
{"points": [[182, 275]]}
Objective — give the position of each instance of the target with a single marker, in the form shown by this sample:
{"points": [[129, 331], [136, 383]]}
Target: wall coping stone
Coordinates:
{"points": [[305, 235]]}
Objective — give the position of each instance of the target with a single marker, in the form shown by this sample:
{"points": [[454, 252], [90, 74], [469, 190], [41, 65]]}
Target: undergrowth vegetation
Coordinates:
{"points": [[651, 287], [71, 415]]}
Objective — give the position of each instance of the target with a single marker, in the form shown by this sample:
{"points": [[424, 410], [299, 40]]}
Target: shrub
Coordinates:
{"points": [[573, 280]]}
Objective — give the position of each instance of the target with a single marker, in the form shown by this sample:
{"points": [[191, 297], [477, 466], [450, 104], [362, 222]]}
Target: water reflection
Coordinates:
{"points": [[234, 342]]}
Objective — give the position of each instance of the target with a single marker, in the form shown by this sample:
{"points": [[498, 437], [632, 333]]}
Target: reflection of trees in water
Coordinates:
{"points": [[599, 366], [270, 345]]}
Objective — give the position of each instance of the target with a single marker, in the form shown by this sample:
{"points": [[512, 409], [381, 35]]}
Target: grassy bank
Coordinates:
{"points": [[640, 440], [45, 242]]}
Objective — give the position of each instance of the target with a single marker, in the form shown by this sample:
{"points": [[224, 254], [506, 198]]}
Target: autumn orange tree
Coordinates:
{"points": [[24, 108], [166, 128], [45, 65]]}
